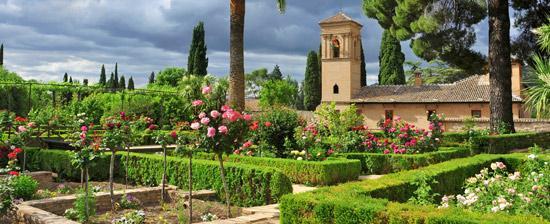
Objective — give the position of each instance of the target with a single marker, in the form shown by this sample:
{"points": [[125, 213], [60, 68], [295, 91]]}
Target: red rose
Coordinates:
{"points": [[267, 124], [13, 173], [174, 135], [12, 155]]}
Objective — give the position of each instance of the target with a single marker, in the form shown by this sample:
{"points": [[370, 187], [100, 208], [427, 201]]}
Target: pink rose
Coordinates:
{"points": [[84, 128], [197, 103], [231, 115], [247, 117], [21, 129], [214, 114], [205, 120], [222, 129], [386, 151], [122, 114], [226, 108], [202, 115], [247, 144], [267, 124], [211, 132], [195, 125], [206, 90], [31, 124]]}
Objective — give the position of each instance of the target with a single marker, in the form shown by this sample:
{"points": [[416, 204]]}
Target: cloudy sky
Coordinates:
{"points": [[45, 38]]}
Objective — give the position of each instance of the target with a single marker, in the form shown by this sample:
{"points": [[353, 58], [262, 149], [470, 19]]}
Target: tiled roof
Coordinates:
{"points": [[340, 17], [472, 89]]}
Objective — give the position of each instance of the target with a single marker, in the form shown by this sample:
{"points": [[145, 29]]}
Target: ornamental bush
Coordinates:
{"points": [[24, 187], [283, 122]]}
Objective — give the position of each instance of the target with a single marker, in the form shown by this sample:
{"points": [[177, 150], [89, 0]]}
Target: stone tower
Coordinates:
{"points": [[341, 58]]}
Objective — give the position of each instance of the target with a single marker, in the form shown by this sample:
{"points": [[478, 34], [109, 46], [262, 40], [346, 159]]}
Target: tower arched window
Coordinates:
{"points": [[335, 89], [335, 44]]}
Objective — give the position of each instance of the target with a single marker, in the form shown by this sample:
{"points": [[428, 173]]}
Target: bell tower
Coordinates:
{"points": [[340, 58]]}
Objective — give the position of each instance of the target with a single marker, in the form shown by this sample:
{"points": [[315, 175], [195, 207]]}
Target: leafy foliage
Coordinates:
{"points": [[312, 82], [24, 187], [278, 92]]}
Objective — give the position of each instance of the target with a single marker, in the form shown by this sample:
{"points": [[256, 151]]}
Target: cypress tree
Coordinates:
{"points": [[320, 63], [197, 62], [65, 77], [85, 82], [111, 82], [152, 78], [363, 67], [70, 79], [1, 54], [312, 82], [391, 61], [131, 83], [102, 76], [299, 103], [276, 73], [116, 77], [122, 82]]}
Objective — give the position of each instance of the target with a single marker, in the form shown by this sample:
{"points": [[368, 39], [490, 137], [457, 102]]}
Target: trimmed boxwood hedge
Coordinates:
{"points": [[378, 201], [249, 185], [327, 172], [376, 163], [504, 143]]}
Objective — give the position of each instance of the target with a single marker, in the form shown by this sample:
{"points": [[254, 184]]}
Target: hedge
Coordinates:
{"points": [[327, 172], [376, 163], [249, 185], [504, 143], [379, 200]]}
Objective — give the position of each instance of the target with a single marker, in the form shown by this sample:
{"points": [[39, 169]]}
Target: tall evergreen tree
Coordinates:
{"points": [[115, 82], [500, 67], [122, 82], [111, 83], [197, 62], [363, 66], [391, 61], [66, 77], [70, 79], [152, 78], [85, 82], [1, 54], [312, 82], [299, 103], [131, 83], [320, 63], [276, 73], [102, 76]]}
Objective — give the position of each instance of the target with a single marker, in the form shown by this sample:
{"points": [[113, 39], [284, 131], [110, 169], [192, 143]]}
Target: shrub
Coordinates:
{"points": [[376, 163], [6, 196], [283, 122], [79, 206], [504, 143], [24, 187]]}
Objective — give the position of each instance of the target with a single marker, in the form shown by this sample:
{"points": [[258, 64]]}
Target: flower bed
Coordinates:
{"points": [[249, 185], [376, 163], [328, 172], [380, 200]]}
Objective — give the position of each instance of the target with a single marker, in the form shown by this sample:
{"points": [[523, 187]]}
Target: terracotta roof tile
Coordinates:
{"points": [[472, 89]]}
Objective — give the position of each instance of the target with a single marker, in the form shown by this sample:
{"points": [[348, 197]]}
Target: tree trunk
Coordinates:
{"points": [[500, 68], [190, 188], [225, 187], [111, 175], [86, 193], [127, 165], [163, 190], [82, 178], [236, 54]]}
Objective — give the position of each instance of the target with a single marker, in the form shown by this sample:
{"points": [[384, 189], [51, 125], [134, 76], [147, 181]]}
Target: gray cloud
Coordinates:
{"points": [[46, 38]]}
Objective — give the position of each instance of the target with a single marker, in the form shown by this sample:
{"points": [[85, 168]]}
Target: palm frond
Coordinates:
{"points": [[539, 93], [281, 4]]}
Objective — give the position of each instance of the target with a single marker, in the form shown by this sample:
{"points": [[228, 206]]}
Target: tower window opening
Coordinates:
{"points": [[335, 89], [335, 48]]}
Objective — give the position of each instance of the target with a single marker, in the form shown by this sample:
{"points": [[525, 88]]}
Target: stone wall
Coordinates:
{"points": [[521, 124]]}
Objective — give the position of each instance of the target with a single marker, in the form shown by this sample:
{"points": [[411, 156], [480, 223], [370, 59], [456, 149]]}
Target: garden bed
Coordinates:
{"points": [[381, 200]]}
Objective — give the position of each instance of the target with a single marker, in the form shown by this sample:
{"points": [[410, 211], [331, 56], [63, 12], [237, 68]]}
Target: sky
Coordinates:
{"points": [[43, 39]]}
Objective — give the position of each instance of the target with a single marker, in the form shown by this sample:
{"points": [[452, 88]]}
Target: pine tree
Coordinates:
{"points": [[276, 73], [65, 78], [102, 76], [116, 77], [2, 55], [363, 67], [122, 82], [197, 62], [152, 78], [391, 61], [70, 79], [131, 83], [312, 82]]}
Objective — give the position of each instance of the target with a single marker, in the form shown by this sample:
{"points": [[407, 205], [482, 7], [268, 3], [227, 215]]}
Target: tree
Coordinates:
{"points": [[500, 67], [312, 82], [278, 92], [363, 66], [2, 55], [236, 53], [170, 76], [152, 78], [255, 80], [529, 15], [435, 72], [122, 82], [102, 76], [197, 62], [131, 83], [111, 82], [276, 74], [115, 81], [70, 79], [85, 82], [391, 61], [65, 78], [299, 102]]}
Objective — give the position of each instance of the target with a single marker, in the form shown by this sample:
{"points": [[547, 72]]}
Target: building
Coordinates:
{"points": [[340, 36]]}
